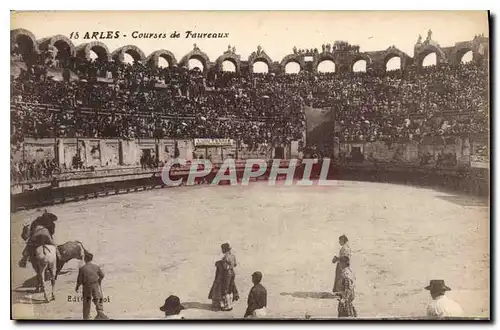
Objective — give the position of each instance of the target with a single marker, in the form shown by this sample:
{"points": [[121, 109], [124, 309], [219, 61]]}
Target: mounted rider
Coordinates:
{"points": [[40, 232]]}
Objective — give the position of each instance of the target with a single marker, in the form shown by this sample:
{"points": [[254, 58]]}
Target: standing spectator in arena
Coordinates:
{"points": [[216, 293], [346, 291], [441, 306], [345, 251], [229, 288], [90, 277], [257, 298]]}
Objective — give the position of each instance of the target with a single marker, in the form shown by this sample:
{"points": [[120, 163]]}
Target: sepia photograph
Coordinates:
{"points": [[250, 165]]}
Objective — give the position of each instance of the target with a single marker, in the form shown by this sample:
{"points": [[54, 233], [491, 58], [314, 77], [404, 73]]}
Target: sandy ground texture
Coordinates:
{"points": [[156, 243]]}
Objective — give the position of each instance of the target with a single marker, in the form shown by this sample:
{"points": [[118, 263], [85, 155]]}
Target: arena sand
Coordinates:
{"points": [[156, 243]]}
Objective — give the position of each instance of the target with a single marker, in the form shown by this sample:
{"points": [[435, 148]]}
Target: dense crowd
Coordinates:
{"points": [[129, 101], [33, 170]]}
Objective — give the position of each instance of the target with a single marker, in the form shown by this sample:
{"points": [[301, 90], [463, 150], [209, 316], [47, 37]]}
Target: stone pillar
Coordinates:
{"points": [[104, 152], [131, 155], [161, 151], [294, 149], [86, 152], [60, 152]]}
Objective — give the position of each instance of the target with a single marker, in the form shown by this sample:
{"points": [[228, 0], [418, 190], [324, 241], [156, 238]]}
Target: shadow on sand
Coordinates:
{"points": [[197, 305], [313, 295], [30, 283], [464, 200]]}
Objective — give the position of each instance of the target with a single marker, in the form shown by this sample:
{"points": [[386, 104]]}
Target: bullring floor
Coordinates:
{"points": [[156, 243]]}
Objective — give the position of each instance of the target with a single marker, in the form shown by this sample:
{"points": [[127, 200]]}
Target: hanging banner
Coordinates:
{"points": [[320, 125]]}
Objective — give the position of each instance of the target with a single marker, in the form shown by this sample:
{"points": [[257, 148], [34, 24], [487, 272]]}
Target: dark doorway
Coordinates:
{"points": [[279, 153]]}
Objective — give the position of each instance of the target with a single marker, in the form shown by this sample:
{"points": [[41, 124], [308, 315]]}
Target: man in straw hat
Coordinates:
{"points": [[441, 306], [172, 308]]}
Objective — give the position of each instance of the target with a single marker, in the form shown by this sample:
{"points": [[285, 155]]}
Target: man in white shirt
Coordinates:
{"points": [[441, 306]]}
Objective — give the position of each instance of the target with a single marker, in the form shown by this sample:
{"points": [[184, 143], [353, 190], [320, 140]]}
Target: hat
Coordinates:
{"points": [[49, 216], [344, 238], [172, 305], [257, 276], [437, 285], [225, 247]]}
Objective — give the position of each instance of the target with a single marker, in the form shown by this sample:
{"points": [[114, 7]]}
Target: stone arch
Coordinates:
{"points": [[459, 51], [259, 57], [392, 52], [260, 60], [154, 57], [325, 57], [426, 50], [361, 57], [26, 40], [231, 57], [196, 53], [389, 57], [59, 42], [292, 58], [98, 47], [134, 51]]}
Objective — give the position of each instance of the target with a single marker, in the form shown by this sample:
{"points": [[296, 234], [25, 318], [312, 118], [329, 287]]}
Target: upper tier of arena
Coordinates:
{"points": [[342, 54]]}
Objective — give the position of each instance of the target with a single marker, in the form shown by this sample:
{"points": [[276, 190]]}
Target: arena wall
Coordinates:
{"points": [[412, 152], [114, 153]]}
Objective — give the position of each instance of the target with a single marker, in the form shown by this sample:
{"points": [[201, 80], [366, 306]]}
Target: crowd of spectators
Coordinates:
{"points": [[112, 99], [33, 170]]}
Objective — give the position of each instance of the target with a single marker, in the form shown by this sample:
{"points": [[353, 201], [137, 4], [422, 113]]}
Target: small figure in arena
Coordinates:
{"points": [[39, 232], [90, 277], [229, 290], [345, 251], [216, 293], [346, 292], [441, 306], [257, 298], [172, 308]]}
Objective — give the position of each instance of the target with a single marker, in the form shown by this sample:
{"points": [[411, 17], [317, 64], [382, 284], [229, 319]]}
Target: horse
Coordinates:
{"points": [[25, 235], [68, 251], [45, 258]]}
